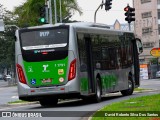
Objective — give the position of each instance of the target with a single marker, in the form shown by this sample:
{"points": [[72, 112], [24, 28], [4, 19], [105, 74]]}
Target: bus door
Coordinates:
{"points": [[90, 66], [136, 64]]}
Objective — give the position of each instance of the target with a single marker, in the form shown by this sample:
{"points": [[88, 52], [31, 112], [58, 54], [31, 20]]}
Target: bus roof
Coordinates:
{"points": [[79, 25]]}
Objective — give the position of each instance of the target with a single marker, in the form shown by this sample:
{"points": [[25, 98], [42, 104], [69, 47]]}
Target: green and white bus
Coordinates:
{"points": [[75, 60]]}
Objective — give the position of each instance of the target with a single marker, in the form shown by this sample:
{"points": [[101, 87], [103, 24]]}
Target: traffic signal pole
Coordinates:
{"points": [[50, 11], [55, 11], [107, 7], [129, 26], [97, 10]]}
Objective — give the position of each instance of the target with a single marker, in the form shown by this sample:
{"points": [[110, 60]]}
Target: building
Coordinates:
{"points": [[147, 26], [119, 26]]}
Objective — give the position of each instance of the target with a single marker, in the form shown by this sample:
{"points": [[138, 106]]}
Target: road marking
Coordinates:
{"points": [[14, 97]]}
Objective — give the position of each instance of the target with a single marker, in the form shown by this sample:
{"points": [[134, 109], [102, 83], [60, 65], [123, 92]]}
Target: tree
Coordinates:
{"points": [[7, 55], [28, 13]]}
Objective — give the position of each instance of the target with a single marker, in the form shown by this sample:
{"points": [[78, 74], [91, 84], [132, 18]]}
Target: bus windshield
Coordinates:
{"points": [[44, 38]]}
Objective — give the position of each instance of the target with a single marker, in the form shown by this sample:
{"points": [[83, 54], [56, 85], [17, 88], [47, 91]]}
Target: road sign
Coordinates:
{"points": [[155, 52], [1, 25]]}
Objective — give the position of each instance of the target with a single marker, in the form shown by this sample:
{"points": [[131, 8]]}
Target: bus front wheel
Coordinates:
{"points": [[130, 89]]}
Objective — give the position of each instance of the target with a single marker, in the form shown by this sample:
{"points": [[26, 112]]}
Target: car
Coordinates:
{"points": [[7, 77], [1, 77], [158, 74]]}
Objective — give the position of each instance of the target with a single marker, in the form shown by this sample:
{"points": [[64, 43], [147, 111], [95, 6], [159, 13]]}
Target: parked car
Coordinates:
{"points": [[158, 74], [7, 77], [1, 77]]}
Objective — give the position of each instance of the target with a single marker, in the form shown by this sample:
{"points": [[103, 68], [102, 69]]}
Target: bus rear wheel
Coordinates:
{"points": [[48, 102], [130, 89], [97, 97]]}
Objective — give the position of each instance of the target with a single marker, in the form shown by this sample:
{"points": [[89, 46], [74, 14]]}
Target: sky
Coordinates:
{"points": [[88, 8]]}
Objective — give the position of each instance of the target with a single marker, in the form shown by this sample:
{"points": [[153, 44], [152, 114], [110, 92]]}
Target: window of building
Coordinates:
{"points": [[145, 1], [158, 13], [147, 14], [159, 29], [146, 30]]}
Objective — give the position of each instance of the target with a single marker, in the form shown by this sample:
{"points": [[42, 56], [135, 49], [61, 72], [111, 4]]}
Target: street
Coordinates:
{"points": [[8, 94], [73, 107]]}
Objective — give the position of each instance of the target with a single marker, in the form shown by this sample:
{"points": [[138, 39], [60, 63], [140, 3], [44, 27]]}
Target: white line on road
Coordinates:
{"points": [[14, 97]]}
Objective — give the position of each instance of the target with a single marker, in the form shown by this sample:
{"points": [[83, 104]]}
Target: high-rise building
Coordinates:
{"points": [[147, 25]]}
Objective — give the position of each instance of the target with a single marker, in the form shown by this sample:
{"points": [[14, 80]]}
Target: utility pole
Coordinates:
{"points": [[55, 11], [60, 3], [50, 12]]}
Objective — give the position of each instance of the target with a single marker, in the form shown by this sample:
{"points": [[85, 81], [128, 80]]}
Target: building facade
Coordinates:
{"points": [[147, 26]]}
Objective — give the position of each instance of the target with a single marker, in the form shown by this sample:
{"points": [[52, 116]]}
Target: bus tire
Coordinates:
{"points": [[130, 90], [98, 91], [48, 102]]}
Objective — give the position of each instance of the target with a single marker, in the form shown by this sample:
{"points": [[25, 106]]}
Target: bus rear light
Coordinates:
{"points": [[21, 74], [72, 70], [62, 88], [32, 90]]}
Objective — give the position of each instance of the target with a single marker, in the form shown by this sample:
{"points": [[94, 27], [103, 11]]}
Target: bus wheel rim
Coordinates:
{"points": [[130, 85], [98, 91]]}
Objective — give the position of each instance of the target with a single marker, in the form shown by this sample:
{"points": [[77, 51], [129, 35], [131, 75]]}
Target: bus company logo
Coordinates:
{"points": [[45, 68], [60, 71], [44, 34]]}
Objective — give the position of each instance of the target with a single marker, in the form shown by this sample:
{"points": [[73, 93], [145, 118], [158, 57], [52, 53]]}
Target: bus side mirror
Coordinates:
{"points": [[139, 45]]}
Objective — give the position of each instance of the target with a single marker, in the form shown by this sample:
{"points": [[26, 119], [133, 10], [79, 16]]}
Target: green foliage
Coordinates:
{"points": [[153, 61], [7, 48], [29, 13]]}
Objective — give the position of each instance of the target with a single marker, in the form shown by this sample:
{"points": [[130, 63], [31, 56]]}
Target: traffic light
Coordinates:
{"points": [[108, 4], [129, 14], [42, 18]]}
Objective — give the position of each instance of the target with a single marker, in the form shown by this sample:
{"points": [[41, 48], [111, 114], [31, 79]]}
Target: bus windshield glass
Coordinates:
{"points": [[44, 38]]}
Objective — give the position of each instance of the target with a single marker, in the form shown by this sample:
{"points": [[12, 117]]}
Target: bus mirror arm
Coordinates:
{"points": [[15, 38]]}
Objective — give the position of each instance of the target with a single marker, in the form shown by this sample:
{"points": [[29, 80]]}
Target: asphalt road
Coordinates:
{"points": [[78, 108], [150, 84]]}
